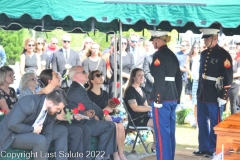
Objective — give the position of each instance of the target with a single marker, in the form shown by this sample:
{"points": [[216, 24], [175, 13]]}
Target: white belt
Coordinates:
{"points": [[208, 77], [169, 78]]}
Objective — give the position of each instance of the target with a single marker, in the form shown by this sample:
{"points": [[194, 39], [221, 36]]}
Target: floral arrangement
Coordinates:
{"points": [[70, 113], [67, 66], [113, 103], [2, 112]]}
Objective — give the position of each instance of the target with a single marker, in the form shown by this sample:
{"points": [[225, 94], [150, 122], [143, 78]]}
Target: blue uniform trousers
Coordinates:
{"points": [[206, 136], [164, 120]]}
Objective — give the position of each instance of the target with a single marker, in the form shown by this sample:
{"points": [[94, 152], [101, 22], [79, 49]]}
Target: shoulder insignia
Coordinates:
{"points": [[156, 62], [227, 63]]}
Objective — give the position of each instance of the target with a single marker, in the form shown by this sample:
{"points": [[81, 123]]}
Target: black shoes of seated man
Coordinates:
{"points": [[205, 153]]}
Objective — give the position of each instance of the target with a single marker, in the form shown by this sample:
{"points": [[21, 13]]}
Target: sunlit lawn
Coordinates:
{"points": [[186, 137]]}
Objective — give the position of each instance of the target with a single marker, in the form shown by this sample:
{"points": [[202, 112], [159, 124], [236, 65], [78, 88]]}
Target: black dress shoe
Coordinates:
{"points": [[210, 155], [200, 153], [153, 150]]}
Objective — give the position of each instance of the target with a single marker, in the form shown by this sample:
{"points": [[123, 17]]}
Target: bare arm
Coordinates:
{"points": [[4, 106], [22, 64], [136, 108], [146, 104]]}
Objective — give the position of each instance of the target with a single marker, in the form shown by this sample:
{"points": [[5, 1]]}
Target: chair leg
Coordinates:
{"points": [[143, 143], [135, 142], [126, 130]]}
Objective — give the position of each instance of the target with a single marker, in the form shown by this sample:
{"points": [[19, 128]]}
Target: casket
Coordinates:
{"points": [[228, 136]]}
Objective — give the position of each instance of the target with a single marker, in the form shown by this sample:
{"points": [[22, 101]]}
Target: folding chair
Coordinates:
{"points": [[132, 126]]}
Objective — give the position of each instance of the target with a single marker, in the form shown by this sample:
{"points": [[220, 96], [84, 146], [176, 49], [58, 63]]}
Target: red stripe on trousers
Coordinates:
{"points": [[158, 133]]}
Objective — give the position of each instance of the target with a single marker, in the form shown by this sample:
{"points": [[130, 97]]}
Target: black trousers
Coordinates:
{"points": [[233, 96], [79, 140], [106, 132]]}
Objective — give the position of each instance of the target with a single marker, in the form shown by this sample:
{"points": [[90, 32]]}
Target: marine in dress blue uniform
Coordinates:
{"points": [[215, 79], [165, 95]]}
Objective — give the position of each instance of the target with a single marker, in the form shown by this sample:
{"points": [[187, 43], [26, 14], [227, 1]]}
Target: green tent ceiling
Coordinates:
{"points": [[84, 15]]}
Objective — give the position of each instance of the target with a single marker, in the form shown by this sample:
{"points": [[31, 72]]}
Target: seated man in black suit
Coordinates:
{"points": [[29, 125], [104, 130]]}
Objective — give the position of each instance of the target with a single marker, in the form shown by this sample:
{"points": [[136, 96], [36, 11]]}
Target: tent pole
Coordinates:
{"points": [[120, 60], [154, 28], [42, 24], [114, 88], [93, 24], [221, 30]]}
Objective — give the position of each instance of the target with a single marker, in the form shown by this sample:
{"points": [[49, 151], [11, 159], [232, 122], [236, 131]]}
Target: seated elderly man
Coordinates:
{"points": [[104, 130]]}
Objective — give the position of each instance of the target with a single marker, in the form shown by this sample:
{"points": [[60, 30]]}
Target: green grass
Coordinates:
{"points": [[186, 137]]}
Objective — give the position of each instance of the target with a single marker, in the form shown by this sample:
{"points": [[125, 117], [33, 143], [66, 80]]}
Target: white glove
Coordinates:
{"points": [[157, 105], [221, 101]]}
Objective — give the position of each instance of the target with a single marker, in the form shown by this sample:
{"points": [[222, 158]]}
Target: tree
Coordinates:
{"points": [[12, 42]]}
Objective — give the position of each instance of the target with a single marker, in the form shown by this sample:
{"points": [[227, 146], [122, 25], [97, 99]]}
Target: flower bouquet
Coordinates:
{"points": [[105, 113], [113, 103], [67, 66], [69, 113], [112, 107]]}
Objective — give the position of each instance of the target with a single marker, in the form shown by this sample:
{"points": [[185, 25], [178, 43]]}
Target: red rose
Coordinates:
{"points": [[81, 107], [118, 85], [75, 110], [106, 112], [4, 111], [116, 101]]}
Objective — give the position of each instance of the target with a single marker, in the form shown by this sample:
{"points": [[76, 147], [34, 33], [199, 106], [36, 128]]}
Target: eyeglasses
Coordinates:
{"points": [[238, 44], [124, 43], [98, 75], [133, 41], [40, 43], [55, 43], [88, 42], [66, 41], [196, 47], [183, 45], [83, 72], [31, 45], [33, 79]]}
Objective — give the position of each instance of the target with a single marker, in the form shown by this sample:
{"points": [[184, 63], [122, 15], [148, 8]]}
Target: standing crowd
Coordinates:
{"points": [[58, 79]]}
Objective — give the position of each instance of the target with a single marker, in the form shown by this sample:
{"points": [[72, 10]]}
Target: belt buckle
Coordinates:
{"points": [[204, 76]]}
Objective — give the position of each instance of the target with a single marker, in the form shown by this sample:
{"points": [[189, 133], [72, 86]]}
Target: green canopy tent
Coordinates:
{"points": [[85, 15]]}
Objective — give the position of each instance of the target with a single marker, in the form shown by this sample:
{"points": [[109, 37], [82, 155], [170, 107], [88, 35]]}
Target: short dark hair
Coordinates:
{"points": [[57, 96]]}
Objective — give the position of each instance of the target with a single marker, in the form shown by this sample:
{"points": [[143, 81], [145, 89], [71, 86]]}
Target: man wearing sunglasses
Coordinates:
{"points": [[104, 130], [51, 48], [138, 52], [65, 57]]}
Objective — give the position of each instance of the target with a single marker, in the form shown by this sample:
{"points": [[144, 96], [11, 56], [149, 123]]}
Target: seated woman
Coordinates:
{"points": [[100, 97], [78, 136], [28, 84], [136, 100], [8, 96]]}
